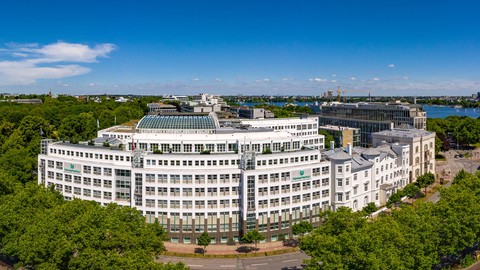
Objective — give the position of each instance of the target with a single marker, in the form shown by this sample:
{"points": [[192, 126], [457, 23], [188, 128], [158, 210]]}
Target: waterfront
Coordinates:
{"points": [[432, 111], [444, 111]]}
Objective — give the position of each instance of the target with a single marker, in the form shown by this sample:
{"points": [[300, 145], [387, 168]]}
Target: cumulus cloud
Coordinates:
{"points": [[353, 78], [391, 65], [52, 61], [376, 79]]}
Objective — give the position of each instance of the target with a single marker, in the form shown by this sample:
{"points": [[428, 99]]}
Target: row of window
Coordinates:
{"points": [[82, 192], [190, 179], [217, 148], [88, 155], [190, 192]]}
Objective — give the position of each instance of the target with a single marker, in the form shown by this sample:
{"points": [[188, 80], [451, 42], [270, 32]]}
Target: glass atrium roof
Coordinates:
{"points": [[177, 122]]}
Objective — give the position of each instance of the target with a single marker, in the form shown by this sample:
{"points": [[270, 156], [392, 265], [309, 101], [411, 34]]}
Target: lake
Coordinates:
{"points": [[432, 111]]}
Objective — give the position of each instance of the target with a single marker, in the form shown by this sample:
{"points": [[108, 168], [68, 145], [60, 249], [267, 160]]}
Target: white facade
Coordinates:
{"points": [[307, 128], [195, 176], [361, 176], [422, 148]]}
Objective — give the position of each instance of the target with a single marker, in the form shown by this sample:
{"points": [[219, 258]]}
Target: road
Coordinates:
{"points": [[289, 261]]}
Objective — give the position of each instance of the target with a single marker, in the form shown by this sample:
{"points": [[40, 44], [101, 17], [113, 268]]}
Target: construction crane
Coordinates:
{"points": [[349, 91]]}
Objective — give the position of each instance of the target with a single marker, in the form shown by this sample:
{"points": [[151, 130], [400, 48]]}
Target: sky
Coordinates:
{"points": [[386, 48]]}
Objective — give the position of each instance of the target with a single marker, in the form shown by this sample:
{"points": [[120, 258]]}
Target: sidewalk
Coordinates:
{"points": [[222, 249]]}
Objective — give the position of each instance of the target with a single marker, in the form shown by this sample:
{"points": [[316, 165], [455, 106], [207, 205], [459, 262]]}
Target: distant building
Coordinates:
{"points": [[343, 135], [27, 101], [202, 103], [372, 117], [161, 108], [251, 113], [172, 98], [422, 148], [121, 99]]}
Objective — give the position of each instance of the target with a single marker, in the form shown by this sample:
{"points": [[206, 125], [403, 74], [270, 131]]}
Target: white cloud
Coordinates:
{"points": [[376, 79], [263, 80], [49, 62], [18, 54], [196, 79], [334, 75], [318, 80], [91, 84], [391, 65], [353, 78], [218, 80]]}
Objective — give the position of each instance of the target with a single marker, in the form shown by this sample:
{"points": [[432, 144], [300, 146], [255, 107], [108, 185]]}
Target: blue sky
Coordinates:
{"points": [[240, 47]]}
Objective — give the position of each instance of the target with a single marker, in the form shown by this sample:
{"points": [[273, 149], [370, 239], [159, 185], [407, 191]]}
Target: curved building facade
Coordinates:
{"points": [[193, 175]]}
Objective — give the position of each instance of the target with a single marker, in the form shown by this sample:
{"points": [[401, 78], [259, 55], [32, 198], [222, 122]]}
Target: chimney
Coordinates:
{"points": [[332, 145], [349, 148]]}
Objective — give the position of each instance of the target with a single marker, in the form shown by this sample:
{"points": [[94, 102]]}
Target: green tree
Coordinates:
{"points": [[204, 240], [97, 237], [302, 228], [328, 138], [369, 208], [411, 190], [425, 180], [253, 237], [394, 199]]}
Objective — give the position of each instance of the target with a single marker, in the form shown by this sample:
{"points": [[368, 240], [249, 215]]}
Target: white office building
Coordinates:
{"points": [[193, 175]]}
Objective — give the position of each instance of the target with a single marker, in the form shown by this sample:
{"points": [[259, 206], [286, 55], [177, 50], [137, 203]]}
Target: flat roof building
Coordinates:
{"points": [[372, 117], [193, 175], [343, 135]]}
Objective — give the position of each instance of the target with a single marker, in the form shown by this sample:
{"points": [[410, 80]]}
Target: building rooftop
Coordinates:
{"points": [[405, 133], [177, 122]]}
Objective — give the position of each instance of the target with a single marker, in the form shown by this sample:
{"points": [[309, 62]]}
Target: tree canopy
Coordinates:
{"points": [[204, 240], [253, 237], [302, 228], [415, 236], [38, 229]]}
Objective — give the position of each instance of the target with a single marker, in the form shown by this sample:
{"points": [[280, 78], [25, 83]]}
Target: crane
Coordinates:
{"points": [[349, 91]]}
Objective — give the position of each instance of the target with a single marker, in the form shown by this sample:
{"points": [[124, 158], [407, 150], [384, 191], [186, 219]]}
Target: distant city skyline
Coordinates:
{"points": [[391, 48]]}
